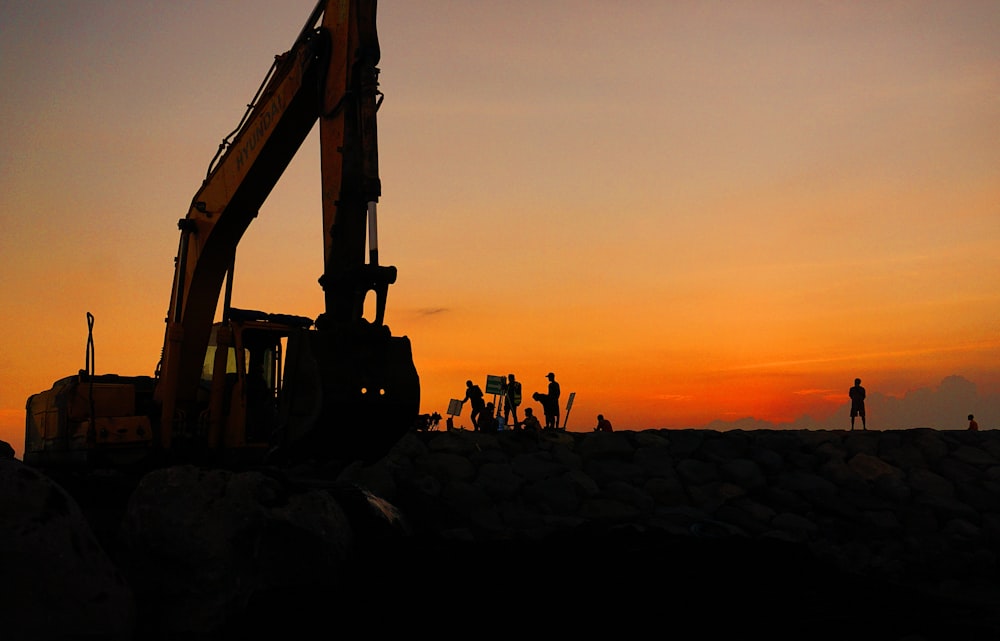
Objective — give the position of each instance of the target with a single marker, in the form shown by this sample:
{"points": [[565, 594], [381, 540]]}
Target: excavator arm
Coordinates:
{"points": [[351, 184], [329, 75]]}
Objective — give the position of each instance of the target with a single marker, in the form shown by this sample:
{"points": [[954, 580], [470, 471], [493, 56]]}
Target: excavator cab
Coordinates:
{"points": [[276, 388], [241, 384]]}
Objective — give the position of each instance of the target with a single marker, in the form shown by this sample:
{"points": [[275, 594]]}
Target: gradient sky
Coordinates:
{"points": [[689, 211]]}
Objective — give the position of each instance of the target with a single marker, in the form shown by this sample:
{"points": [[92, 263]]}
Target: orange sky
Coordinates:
{"points": [[689, 212]]}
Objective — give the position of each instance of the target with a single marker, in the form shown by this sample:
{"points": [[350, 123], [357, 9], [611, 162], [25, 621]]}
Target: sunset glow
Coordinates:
{"points": [[689, 212]]}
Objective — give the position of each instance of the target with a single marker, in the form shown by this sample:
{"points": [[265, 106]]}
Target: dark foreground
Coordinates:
{"points": [[626, 584]]}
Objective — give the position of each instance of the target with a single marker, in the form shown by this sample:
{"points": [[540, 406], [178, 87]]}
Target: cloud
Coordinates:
{"points": [[431, 311]]}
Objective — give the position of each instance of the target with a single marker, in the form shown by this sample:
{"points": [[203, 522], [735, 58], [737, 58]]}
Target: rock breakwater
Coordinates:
{"points": [[887, 535], [919, 507]]}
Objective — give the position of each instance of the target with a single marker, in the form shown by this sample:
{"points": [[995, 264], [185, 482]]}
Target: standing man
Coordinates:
{"points": [[512, 398], [857, 394], [474, 393], [552, 403]]}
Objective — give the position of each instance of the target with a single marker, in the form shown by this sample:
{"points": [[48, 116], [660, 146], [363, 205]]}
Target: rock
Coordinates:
{"points": [[202, 544], [828, 490], [57, 580]]}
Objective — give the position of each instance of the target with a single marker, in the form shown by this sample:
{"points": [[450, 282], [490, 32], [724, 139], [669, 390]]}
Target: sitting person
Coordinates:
{"points": [[603, 424], [530, 420]]}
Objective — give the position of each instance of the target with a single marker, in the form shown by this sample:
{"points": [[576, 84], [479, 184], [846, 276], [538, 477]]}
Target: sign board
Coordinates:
{"points": [[569, 406], [494, 384], [454, 407]]}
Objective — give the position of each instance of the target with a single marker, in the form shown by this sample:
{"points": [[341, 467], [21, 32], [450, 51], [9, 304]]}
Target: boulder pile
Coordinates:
{"points": [[919, 507], [791, 534]]}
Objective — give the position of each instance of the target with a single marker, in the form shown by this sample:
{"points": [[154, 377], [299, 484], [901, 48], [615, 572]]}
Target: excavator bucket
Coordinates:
{"points": [[349, 394]]}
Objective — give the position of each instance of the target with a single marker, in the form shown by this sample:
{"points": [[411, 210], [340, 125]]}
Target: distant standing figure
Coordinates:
{"points": [[530, 421], [973, 425], [552, 403], [512, 398], [603, 424], [474, 394], [857, 394]]}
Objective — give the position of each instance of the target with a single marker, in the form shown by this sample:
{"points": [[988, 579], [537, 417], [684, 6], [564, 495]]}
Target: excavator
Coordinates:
{"points": [[246, 386]]}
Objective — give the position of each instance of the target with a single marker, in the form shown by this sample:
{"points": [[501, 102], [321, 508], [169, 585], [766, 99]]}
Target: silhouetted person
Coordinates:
{"points": [[603, 424], [973, 425], [530, 421], [552, 403], [487, 422], [857, 394], [546, 408], [474, 394], [512, 398]]}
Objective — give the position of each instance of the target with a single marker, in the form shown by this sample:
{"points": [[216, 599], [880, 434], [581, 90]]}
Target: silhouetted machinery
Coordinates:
{"points": [[255, 385]]}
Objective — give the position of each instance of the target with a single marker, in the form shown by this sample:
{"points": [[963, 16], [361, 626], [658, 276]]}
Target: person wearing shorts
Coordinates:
{"points": [[857, 394]]}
